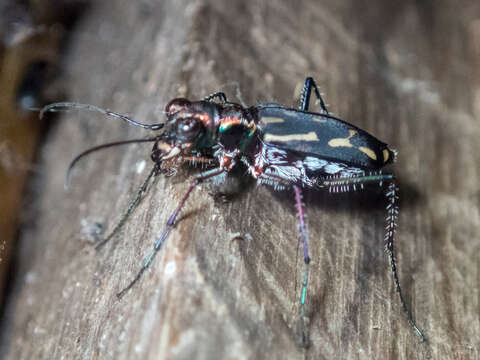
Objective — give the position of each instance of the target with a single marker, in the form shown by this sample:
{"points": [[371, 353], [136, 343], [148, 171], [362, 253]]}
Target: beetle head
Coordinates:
{"points": [[186, 129]]}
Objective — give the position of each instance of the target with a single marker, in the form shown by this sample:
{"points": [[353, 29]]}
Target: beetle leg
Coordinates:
{"points": [[307, 91], [346, 183], [218, 95], [304, 105], [390, 229], [131, 207], [199, 160], [306, 260], [171, 223], [343, 184]]}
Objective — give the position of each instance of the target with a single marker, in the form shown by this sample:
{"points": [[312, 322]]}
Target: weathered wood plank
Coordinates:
{"points": [[407, 72]]}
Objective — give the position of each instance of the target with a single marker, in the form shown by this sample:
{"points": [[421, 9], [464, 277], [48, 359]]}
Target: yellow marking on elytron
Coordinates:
{"points": [[369, 152], [386, 155], [271, 120], [311, 136], [342, 141], [317, 119]]}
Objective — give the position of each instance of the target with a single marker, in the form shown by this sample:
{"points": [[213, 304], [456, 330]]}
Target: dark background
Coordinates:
{"points": [[408, 72]]}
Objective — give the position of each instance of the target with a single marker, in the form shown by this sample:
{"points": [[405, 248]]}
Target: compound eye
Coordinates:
{"points": [[187, 128], [177, 105]]}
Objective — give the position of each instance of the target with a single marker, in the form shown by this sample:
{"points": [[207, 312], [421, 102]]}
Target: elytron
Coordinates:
{"points": [[285, 148]]}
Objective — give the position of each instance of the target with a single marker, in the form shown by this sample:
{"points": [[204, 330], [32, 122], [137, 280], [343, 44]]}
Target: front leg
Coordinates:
{"points": [[211, 174]]}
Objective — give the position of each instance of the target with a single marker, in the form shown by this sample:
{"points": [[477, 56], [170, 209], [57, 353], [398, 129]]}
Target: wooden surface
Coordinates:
{"points": [[408, 72], [30, 39]]}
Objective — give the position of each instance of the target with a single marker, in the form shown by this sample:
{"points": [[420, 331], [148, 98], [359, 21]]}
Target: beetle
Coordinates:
{"points": [[282, 147]]}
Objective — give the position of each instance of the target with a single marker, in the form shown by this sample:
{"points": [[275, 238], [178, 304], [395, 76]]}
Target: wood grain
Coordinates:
{"points": [[226, 283]]}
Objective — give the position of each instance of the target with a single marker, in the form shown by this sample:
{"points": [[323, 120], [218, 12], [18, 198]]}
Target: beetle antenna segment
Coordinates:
{"points": [[66, 106], [96, 148], [131, 207], [390, 229]]}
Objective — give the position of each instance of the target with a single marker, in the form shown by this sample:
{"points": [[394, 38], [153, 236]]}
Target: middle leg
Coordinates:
{"points": [[304, 105]]}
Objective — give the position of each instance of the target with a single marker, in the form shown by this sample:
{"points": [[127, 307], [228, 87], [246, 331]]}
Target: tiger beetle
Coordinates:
{"points": [[286, 148]]}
